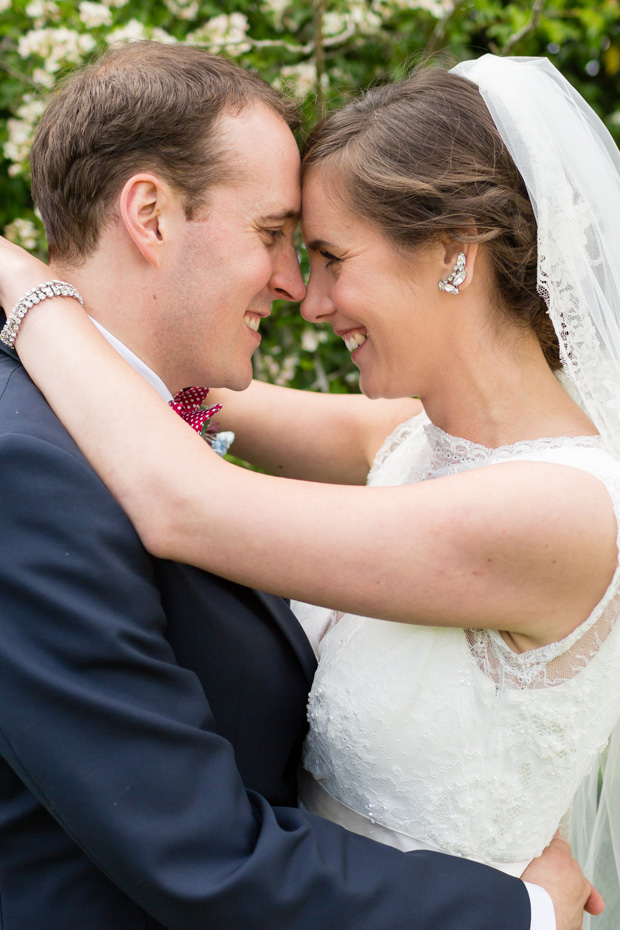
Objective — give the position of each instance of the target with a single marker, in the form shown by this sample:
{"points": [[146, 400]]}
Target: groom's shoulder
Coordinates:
{"points": [[25, 412], [42, 466]]}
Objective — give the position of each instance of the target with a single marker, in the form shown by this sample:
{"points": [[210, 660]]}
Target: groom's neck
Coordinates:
{"points": [[116, 300]]}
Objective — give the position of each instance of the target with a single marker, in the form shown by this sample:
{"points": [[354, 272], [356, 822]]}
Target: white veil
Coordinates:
{"points": [[571, 168]]}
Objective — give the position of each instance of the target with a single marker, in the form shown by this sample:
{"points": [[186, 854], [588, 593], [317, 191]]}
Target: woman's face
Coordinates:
{"points": [[382, 302]]}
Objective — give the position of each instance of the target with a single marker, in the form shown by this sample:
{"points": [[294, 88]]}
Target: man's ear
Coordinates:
{"points": [[145, 204]]}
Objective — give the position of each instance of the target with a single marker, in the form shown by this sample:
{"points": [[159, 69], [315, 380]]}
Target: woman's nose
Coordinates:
{"points": [[316, 305]]}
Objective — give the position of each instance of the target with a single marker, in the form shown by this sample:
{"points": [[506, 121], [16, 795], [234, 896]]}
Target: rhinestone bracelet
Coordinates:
{"points": [[8, 333]]}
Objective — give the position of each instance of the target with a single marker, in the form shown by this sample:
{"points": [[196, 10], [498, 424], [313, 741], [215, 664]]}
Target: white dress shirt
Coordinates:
{"points": [[136, 363], [543, 912]]}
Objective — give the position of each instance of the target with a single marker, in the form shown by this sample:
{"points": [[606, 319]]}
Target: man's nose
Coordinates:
{"points": [[287, 281]]}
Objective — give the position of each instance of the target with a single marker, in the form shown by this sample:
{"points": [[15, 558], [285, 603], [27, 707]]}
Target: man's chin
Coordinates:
{"points": [[238, 380], [239, 385]]}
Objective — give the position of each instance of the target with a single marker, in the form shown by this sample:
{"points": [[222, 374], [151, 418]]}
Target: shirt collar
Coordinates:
{"points": [[136, 363]]}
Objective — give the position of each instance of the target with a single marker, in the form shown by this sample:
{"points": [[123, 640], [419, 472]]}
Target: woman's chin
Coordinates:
{"points": [[375, 389], [368, 389]]}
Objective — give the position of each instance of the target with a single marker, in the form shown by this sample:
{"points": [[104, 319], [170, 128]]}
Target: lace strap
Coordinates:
{"points": [[404, 431], [551, 663]]}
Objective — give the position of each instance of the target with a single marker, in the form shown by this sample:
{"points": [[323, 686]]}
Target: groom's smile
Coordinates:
{"points": [[238, 254], [253, 319]]}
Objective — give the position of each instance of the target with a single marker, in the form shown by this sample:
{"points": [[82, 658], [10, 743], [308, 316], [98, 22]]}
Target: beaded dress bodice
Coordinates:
{"points": [[446, 734]]}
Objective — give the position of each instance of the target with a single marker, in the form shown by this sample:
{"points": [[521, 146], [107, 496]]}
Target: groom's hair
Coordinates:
{"points": [[140, 107]]}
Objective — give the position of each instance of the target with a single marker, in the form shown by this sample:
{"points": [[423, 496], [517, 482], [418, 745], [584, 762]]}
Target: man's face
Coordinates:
{"points": [[233, 259]]}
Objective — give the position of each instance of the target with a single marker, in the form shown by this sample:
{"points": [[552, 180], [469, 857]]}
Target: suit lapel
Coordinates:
{"points": [[10, 352], [293, 632], [276, 606]]}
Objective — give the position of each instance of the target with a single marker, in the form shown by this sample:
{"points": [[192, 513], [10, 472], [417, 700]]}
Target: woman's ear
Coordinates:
{"points": [[145, 202], [450, 266]]}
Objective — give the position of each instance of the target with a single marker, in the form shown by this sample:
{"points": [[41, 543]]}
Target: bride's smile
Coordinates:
{"points": [[379, 300]]}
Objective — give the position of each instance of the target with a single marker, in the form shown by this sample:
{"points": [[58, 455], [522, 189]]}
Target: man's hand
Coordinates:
{"points": [[560, 875]]}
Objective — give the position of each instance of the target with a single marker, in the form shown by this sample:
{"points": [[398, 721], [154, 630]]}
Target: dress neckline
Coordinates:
{"points": [[450, 451]]}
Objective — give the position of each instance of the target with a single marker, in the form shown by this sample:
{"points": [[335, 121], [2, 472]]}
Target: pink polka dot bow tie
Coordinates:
{"points": [[188, 403]]}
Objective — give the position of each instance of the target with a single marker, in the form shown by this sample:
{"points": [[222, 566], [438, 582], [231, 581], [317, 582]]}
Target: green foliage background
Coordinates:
{"points": [[323, 51]]}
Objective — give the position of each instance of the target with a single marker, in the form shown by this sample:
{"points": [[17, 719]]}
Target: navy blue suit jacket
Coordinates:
{"points": [[151, 717]]}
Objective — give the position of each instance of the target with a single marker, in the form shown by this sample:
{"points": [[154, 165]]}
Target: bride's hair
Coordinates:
{"points": [[421, 159]]}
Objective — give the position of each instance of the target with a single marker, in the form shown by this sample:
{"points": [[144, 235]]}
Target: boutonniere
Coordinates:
{"points": [[190, 406]]}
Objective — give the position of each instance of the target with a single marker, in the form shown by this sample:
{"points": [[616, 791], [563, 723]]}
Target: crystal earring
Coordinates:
{"points": [[451, 284]]}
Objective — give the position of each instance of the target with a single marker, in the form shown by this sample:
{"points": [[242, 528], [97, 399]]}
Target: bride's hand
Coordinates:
{"points": [[19, 271]]}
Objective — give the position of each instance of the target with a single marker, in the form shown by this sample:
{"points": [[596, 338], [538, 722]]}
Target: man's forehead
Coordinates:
{"points": [[262, 161], [279, 216], [248, 132]]}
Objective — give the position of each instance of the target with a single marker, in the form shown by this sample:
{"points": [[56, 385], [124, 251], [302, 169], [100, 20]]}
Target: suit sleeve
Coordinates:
{"points": [[117, 742]]}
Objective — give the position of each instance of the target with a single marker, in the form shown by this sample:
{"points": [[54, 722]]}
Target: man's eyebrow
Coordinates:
{"points": [[319, 244], [280, 216]]}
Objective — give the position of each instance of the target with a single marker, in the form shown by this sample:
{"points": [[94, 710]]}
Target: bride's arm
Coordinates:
{"points": [[494, 547], [313, 436], [297, 434]]}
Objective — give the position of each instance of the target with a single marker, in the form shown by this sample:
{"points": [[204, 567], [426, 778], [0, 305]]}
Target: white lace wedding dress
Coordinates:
{"points": [[442, 738]]}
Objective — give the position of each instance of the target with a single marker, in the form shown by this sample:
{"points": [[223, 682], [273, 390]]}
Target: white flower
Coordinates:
{"points": [[277, 372], [184, 9], [115, 4], [221, 30], [4, 5], [40, 76], [287, 371], [436, 8], [42, 10], [56, 46], [132, 31], [94, 15], [160, 35], [277, 8], [21, 131], [17, 147], [22, 232], [364, 18], [268, 366], [310, 339], [31, 109], [301, 77], [333, 23], [358, 17]]}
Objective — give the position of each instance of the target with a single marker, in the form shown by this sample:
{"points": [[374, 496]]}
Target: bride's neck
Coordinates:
{"points": [[501, 393]]}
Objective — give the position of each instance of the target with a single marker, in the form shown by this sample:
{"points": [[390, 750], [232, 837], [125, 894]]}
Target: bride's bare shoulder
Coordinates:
{"points": [[537, 541]]}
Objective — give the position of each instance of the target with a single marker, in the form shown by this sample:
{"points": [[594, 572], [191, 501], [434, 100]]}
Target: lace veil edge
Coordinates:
{"points": [[571, 168]]}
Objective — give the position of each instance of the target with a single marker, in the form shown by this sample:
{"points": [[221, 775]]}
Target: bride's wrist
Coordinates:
{"points": [[19, 272], [50, 290], [15, 287]]}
